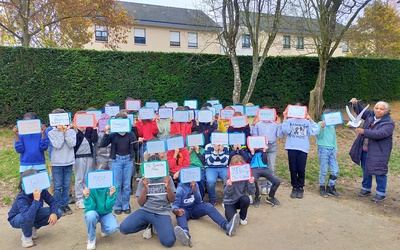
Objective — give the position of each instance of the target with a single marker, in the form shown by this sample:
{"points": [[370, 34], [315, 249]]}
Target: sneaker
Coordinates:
{"points": [[251, 199], [34, 233], [232, 226], [257, 202], [243, 222], [147, 234], [91, 244], [364, 193], [80, 204], [294, 193], [67, 210], [71, 200], [331, 190], [104, 234], [182, 235], [300, 193], [264, 190], [117, 212], [26, 241], [127, 211], [378, 198], [322, 192], [63, 211], [273, 201]]}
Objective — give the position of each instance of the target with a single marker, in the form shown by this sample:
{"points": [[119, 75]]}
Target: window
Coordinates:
{"points": [[300, 42], [193, 40], [246, 41], [286, 42], [174, 38], [140, 36], [101, 33], [345, 47]]}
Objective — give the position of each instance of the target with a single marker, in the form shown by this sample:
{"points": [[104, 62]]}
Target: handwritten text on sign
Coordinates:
{"points": [[251, 110], [256, 142], [240, 172], [218, 138], [226, 114], [187, 175], [237, 138], [85, 120], [132, 105], [155, 147], [120, 125], [238, 121], [333, 118], [59, 118], [33, 126], [195, 140], [39, 181], [295, 111], [100, 179], [267, 114], [146, 113], [175, 142], [154, 169], [111, 110]]}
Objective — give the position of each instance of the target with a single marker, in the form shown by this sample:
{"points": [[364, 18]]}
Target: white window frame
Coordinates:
{"points": [[139, 36], [246, 43], [193, 40], [175, 38], [286, 42], [345, 47], [101, 33], [300, 42]]}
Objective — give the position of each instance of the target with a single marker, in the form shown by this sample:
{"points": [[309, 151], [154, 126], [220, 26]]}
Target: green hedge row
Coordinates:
{"points": [[41, 80]]}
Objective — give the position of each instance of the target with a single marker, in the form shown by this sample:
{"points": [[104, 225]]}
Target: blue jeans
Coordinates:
{"points": [[198, 211], [41, 219], [327, 159], [140, 219], [62, 177], [122, 167], [381, 180], [108, 222], [212, 174]]}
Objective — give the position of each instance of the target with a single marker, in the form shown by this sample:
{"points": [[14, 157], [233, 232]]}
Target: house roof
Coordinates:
{"points": [[164, 16]]}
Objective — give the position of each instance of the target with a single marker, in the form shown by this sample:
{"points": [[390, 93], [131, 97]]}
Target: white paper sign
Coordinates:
{"points": [[33, 126], [131, 117], [267, 114], [193, 113], [59, 118], [239, 121], [237, 138], [154, 169], [218, 108], [296, 111], [155, 146], [96, 113], [239, 172], [111, 110], [333, 118], [238, 108], [218, 138], [195, 140], [187, 175], [146, 113], [205, 116], [175, 142], [100, 179], [190, 103], [173, 105], [212, 102], [181, 116], [153, 105], [251, 110], [120, 125], [165, 113], [256, 142], [226, 114], [212, 109], [133, 105], [102, 123], [39, 181], [85, 120]]}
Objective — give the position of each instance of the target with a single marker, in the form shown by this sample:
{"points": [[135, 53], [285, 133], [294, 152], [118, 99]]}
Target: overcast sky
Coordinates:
{"points": [[189, 4]]}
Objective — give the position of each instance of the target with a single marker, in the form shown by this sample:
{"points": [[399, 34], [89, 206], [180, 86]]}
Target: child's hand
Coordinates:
{"points": [[36, 194], [112, 190], [193, 185], [43, 129], [107, 129], [197, 121], [229, 182], [141, 139], [52, 219], [138, 118], [179, 212], [86, 192], [171, 119], [166, 181], [265, 148], [60, 128], [176, 176], [236, 147], [251, 180], [197, 149], [322, 125], [15, 130], [157, 118], [145, 182], [255, 120], [191, 149], [252, 151], [308, 117]]}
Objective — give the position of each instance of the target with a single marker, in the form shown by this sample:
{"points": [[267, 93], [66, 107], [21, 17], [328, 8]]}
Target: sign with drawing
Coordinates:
{"points": [[187, 175], [205, 116], [295, 111], [96, 113], [333, 118], [165, 113], [251, 110], [156, 189], [190, 103], [153, 105], [237, 138], [39, 181], [226, 114], [100, 179], [146, 113], [120, 125]]}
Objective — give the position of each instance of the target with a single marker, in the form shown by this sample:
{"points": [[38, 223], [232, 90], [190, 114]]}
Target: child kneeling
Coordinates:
{"points": [[28, 213]]}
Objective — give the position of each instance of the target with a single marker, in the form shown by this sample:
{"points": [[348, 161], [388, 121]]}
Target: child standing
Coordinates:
{"points": [[99, 204], [235, 194], [188, 205], [27, 211], [327, 150]]}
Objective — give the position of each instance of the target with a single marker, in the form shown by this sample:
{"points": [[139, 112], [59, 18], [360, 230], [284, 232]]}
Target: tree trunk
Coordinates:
{"points": [[252, 84], [237, 82], [316, 103]]}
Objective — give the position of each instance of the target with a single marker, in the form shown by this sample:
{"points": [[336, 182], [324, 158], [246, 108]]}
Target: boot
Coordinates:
{"points": [[131, 185], [330, 190], [322, 191]]}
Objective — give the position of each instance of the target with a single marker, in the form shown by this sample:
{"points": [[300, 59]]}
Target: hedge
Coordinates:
{"points": [[41, 80]]}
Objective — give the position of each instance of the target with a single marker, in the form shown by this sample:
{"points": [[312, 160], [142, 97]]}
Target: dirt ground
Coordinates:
{"points": [[314, 222]]}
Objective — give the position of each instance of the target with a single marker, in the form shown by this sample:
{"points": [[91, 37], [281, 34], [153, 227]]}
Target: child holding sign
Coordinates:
{"points": [[235, 194], [99, 204], [31, 147], [188, 205], [27, 211], [206, 128], [182, 128], [298, 131], [177, 159], [327, 150]]}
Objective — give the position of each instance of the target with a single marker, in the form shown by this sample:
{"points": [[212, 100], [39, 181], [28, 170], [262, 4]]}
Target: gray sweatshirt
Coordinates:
{"points": [[63, 147], [233, 193]]}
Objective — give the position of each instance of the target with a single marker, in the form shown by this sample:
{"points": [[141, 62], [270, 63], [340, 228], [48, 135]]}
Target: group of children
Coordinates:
{"points": [[85, 147]]}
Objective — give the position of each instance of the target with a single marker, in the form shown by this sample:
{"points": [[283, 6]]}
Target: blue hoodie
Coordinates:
{"points": [[31, 149], [185, 197]]}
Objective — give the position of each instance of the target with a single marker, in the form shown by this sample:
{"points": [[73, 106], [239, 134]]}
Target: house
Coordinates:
{"points": [[164, 29]]}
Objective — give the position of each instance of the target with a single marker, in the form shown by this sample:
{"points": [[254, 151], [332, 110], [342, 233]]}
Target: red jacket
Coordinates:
{"points": [[147, 130], [182, 128], [182, 161]]}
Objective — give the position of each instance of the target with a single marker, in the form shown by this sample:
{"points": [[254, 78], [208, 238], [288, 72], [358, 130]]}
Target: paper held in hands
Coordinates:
{"points": [[240, 172], [100, 179], [154, 169], [187, 175], [39, 181], [155, 146], [256, 142], [295, 111], [120, 125], [195, 140], [25, 127], [219, 138], [267, 115], [85, 120], [133, 105], [239, 121], [175, 142], [333, 118]]}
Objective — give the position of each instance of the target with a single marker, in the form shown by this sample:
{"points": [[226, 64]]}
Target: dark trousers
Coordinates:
{"points": [[297, 167], [269, 174], [243, 204]]}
